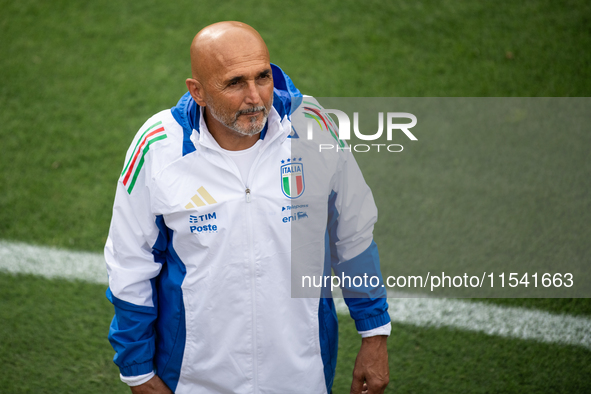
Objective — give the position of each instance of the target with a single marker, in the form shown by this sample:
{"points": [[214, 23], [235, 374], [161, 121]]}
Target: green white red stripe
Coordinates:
{"points": [[136, 161]]}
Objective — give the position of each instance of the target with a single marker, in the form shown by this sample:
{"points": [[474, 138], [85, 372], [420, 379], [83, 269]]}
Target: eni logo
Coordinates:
{"points": [[296, 216]]}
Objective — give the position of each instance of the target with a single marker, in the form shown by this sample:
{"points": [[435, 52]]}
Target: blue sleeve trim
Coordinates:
{"points": [[366, 265], [137, 369], [367, 304], [132, 336], [372, 322], [128, 306]]}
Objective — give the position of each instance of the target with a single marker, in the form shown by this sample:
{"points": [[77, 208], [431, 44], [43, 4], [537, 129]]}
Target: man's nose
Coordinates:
{"points": [[253, 96]]}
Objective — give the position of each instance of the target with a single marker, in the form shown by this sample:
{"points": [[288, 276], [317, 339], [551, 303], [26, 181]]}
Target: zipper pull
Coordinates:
{"points": [[247, 195]]}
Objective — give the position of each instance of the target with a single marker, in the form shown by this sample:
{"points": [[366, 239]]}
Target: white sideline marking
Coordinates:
{"points": [[510, 322], [502, 321], [49, 262]]}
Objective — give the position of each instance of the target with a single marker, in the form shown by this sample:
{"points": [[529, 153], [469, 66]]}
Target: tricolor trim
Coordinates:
{"points": [[136, 160], [314, 113]]}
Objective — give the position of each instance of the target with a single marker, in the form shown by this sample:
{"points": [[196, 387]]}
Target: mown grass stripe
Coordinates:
{"points": [[510, 322]]}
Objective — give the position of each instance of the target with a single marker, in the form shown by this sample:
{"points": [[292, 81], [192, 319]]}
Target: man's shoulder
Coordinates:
{"points": [[161, 124], [157, 143], [160, 133]]}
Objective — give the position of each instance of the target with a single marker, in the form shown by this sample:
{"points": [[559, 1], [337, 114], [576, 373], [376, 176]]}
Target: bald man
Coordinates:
{"points": [[203, 238]]}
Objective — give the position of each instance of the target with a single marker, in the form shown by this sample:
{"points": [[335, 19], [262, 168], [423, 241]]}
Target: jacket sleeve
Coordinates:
{"points": [[134, 259], [354, 254]]}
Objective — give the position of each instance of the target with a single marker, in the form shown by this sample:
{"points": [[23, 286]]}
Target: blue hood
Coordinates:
{"points": [[286, 98]]}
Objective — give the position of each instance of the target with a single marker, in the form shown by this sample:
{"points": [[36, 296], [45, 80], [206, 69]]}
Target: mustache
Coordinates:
{"points": [[251, 110]]}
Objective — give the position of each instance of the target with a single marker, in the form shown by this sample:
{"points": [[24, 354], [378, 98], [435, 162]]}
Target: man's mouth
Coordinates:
{"points": [[251, 112]]}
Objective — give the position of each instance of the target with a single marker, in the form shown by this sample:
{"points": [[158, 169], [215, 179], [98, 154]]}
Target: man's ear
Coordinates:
{"points": [[196, 90]]}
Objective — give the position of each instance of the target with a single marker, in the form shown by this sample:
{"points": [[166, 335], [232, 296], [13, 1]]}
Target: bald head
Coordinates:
{"points": [[219, 46]]}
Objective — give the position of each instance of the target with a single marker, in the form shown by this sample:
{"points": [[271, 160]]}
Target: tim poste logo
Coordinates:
{"points": [[203, 223], [343, 132], [292, 177]]}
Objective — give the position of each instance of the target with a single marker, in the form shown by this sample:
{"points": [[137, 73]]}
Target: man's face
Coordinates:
{"points": [[239, 94]]}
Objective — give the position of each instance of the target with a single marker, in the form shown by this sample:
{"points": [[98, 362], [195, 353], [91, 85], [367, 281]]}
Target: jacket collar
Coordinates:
{"points": [[273, 126]]}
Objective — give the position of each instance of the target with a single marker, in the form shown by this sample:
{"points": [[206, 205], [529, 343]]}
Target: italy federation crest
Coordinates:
{"points": [[292, 179]]}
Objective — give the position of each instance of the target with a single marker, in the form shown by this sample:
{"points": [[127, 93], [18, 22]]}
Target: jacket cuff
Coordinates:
{"points": [[133, 381], [383, 330], [372, 322], [137, 369]]}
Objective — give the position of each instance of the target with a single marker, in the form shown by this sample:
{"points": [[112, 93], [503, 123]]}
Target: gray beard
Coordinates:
{"points": [[252, 129]]}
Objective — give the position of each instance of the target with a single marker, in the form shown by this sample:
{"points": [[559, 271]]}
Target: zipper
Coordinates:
{"points": [[248, 198], [253, 292]]}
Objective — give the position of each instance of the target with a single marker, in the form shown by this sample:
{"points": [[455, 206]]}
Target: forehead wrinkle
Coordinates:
{"points": [[244, 69]]}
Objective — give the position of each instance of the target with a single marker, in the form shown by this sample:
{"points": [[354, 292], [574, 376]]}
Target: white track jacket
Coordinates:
{"points": [[204, 269]]}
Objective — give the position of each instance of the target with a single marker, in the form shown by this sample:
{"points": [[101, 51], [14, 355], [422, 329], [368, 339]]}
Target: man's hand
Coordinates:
{"points": [[152, 386], [371, 373]]}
